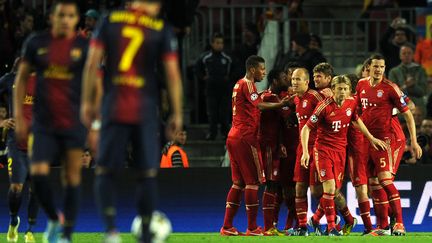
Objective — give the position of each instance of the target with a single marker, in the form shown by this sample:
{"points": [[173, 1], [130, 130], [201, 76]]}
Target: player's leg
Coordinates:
{"points": [[340, 201], [112, 148], [386, 181], [364, 206], [357, 165], [146, 151], [44, 147], [235, 193], [17, 176], [268, 204], [71, 189], [33, 205], [327, 202], [271, 164], [32, 213], [253, 174], [301, 176], [288, 186]]}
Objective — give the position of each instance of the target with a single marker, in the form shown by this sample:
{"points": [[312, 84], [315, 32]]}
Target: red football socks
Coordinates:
{"points": [[393, 198], [301, 209], [365, 214], [251, 200], [232, 205], [268, 202], [381, 205], [327, 202]]}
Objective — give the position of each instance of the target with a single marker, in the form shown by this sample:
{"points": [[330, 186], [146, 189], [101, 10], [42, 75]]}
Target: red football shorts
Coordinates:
{"points": [[287, 166], [330, 165], [246, 163], [357, 164], [380, 160], [300, 173], [398, 148], [271, 161]]}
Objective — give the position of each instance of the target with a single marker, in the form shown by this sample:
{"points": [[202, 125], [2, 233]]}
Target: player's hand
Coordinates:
{"points": [[416, 149], [21, 129], [8, 123], [87, 114], [283, 151], [174, 125], [305, 160], [378, 144], [327, 92]]}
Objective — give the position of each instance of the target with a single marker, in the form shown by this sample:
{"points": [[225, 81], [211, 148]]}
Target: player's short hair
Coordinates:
{"points": [[325, 68], [340, 79], [408, 45], [291, 65], [273, 74], [216, 35], [66, 2], [354, 80], [254, 61], [376, 56], [304, 71]]}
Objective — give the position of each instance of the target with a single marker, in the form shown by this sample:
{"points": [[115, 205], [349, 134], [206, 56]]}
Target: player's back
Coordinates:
{"points": [[134, 43]]}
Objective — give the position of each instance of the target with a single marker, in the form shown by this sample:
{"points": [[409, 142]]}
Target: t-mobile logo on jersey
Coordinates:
{"points": [[364, 102], [336, 125]]}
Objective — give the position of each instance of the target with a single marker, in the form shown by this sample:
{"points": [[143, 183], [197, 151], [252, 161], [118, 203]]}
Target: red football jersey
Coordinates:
{"points": [[245, 113], [290, 131], [377, 103], [270, 121], [332, 123], [305, 106]]}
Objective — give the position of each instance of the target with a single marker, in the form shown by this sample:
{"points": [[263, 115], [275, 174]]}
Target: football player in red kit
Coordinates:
{"points": [[243, 148], [331, 118], [377, 97], [271, 149]]}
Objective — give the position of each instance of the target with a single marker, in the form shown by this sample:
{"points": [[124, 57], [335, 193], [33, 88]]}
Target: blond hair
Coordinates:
{"points": [[340, 79]]}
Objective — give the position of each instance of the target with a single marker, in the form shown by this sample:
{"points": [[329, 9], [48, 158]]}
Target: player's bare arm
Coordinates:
{"points": [[175, 91], [21, 79], [412, 131], [376, 143], [90, 77], [304, 142]]}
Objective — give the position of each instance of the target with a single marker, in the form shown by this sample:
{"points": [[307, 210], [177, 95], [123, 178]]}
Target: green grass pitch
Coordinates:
{"points": [[216, 238]]}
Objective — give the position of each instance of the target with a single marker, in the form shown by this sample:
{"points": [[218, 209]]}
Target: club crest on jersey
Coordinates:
{"points": [[254, 96], [314, 118], [348, 112], [304, 103], [323, 172], [380, 93], [223, 61], [76, 54]]}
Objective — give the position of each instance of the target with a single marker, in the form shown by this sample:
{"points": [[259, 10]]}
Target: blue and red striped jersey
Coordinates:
{"points": [[58, 63], [134, 43]]}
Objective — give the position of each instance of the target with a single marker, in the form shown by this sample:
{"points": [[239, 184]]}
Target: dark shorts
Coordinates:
{"points": [[143, 139], [18, 164], [49, 144]]}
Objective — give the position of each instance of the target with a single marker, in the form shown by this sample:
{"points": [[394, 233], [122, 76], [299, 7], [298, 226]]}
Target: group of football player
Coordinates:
{"points": [[302, 132]]}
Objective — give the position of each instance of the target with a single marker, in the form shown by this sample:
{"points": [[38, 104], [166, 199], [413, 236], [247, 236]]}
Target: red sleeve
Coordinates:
{"points": [[317, 115], [251, 93], [396, 97]]}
